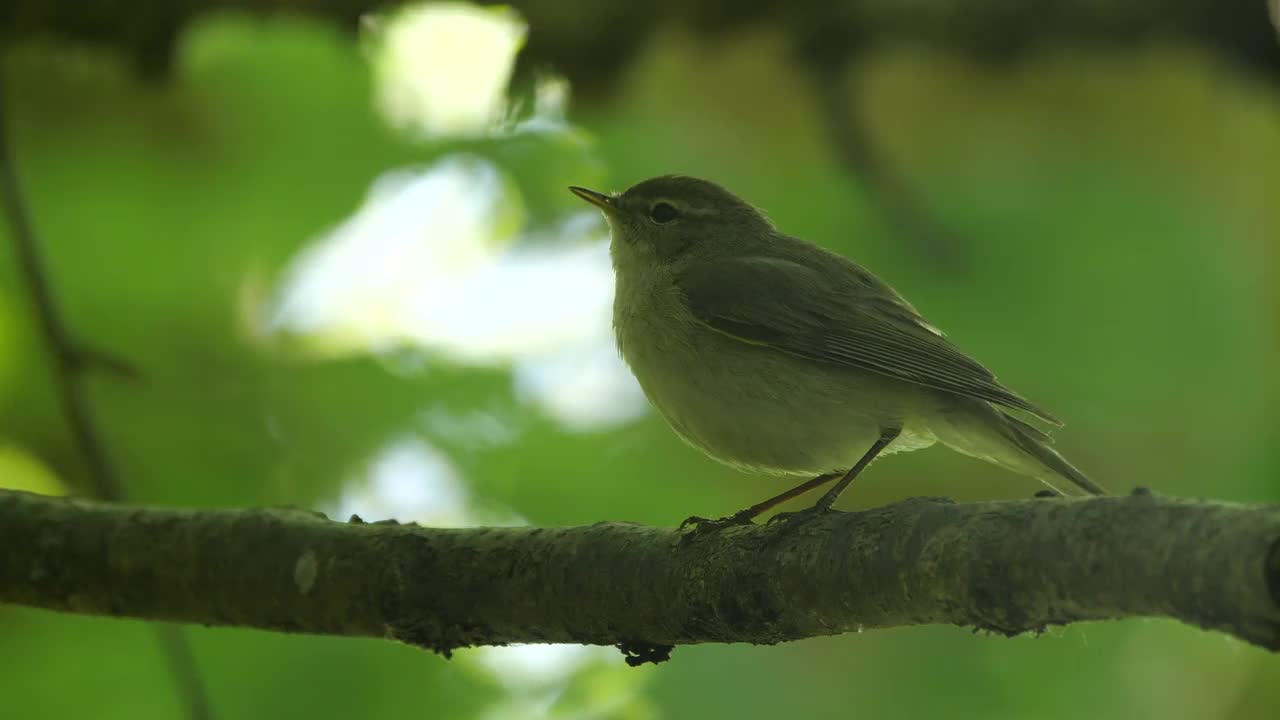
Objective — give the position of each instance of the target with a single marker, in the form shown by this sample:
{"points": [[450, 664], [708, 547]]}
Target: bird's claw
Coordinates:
{"points": [[694, 520], [799, 517], [700, 526]]}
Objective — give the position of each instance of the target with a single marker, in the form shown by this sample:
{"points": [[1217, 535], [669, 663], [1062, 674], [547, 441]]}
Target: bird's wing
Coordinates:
{"points": [[846, 318]]}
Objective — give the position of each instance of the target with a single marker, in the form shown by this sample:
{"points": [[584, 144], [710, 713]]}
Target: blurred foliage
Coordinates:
{"points": [[1122, 210]]}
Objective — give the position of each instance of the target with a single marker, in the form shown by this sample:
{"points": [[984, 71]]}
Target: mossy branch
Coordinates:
{"points": [[1008, 567]]}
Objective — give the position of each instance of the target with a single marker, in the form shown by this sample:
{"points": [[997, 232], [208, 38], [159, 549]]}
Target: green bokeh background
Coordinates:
{"points": [[1120, 214]]}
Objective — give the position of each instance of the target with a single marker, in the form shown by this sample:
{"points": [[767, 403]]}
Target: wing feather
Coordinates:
{"points": [[835, 316]]}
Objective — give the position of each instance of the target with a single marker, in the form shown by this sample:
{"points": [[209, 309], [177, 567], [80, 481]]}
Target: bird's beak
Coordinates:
{"points": [[600, 200]]}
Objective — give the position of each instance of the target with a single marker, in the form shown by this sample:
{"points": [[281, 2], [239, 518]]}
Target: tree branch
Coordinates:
{"points": [[1005, 567]]}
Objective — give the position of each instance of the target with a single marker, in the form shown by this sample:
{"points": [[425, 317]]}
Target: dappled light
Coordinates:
{"points": [[435, 259], [558, 681], [441, 258], [442, 68], [411, 479], [21, 471]]}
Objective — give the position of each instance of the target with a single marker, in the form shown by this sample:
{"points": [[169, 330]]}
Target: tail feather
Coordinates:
{"points": [[1036, 444], [1028, 429], [983, 431]]}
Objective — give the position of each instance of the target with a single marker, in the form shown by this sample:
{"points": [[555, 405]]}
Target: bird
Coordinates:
{"points": [[775, 355]]}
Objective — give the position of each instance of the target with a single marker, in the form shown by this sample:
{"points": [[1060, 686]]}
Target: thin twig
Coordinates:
{"points": [[186, 673], [852, 140], [72, 388]]}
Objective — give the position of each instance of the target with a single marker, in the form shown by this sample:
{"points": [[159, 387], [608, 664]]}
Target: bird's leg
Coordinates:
{"points": [[744, 517], [826, 501]]}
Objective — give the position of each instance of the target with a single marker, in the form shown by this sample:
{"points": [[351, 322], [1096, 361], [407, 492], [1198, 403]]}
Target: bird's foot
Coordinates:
{"points": [[800, 517], [700, 526]]}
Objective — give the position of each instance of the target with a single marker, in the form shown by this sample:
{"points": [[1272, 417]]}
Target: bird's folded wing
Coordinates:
{"points": [[850, 319]]}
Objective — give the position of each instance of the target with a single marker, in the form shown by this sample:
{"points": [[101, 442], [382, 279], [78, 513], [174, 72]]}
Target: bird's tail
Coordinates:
{"points": [[1037, 444], [981, 430]]}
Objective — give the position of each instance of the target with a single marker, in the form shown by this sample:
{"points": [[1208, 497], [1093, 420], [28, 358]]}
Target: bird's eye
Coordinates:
{"points": [[662, 213]]}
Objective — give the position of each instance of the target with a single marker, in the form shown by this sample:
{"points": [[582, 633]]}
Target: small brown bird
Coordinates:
{"points": [[772, 354]]}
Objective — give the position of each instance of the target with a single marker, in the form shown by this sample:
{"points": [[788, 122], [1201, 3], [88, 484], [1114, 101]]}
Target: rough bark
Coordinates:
{"points": [[1006, 567]]}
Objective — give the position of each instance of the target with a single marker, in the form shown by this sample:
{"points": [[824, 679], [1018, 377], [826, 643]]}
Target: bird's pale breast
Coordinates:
{"points": [[752, 406]]}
